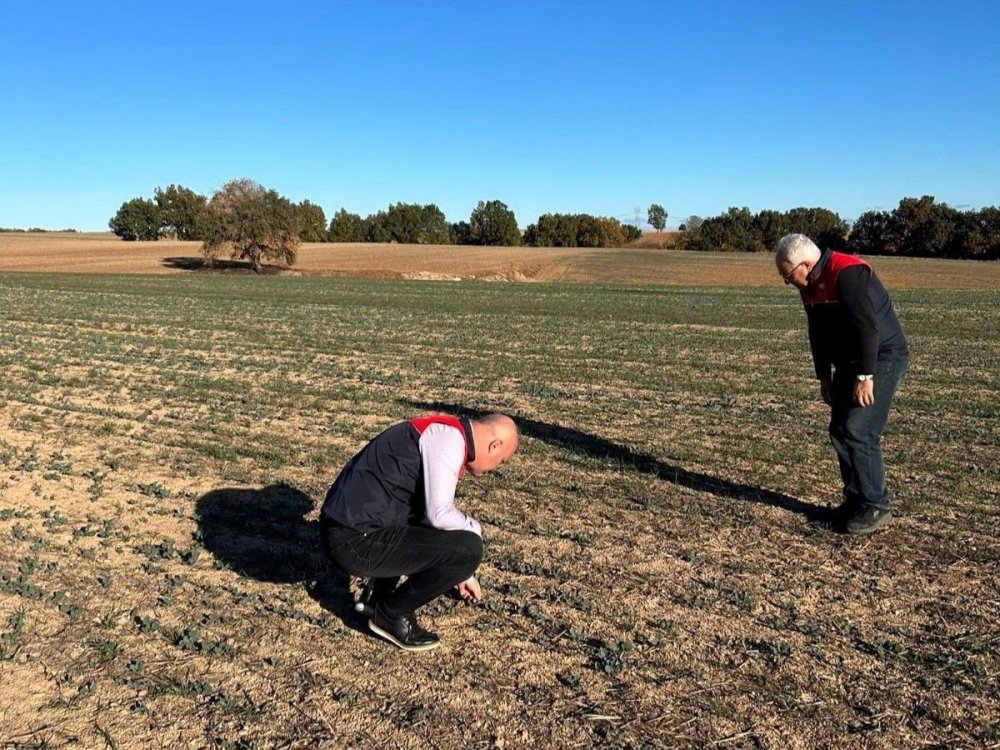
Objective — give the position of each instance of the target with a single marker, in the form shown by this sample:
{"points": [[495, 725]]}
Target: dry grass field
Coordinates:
{"points": [[658, 572]]}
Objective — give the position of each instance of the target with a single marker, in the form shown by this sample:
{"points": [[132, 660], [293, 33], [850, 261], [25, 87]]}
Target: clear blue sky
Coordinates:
{"points": [[592, 107]]}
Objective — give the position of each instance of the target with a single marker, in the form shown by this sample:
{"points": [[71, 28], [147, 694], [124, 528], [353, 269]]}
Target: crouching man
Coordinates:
{"points": [[391, 513]]}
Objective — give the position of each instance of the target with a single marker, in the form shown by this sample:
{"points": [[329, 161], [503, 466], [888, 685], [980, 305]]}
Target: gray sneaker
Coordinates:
{"points": [[868, 520]]}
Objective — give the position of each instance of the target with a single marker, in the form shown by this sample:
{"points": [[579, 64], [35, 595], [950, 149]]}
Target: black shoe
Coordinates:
{"points": [[847, 509], [867, 520], [404, 631]]}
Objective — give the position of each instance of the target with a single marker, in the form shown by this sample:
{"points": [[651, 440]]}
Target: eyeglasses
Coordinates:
{"points": [[787, 277]]}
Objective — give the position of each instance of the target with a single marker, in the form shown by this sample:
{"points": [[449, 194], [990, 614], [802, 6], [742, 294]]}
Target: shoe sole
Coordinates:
{"points": [[389, 637], [882, 521]]}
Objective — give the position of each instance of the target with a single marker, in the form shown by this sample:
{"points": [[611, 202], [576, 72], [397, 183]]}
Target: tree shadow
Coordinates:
{"points": [[586, 444], [263, 534], [194, 263]]}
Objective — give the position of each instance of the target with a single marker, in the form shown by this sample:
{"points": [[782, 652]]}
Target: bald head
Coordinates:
{"points": [[495, 438]]}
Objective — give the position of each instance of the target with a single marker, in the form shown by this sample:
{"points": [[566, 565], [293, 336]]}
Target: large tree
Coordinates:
{"points": [[492, 223], [869, 235], [733, 231], [575, 230], [409, 223], [182, 212], [137, 219], [461, 233], [657, 217], [632, 232], [824, 226], [693, 223], [346, 227], [770, 226], [977, 234], [253, 223], [919, 226], [312, 222], [553, 230], [599, 231]]}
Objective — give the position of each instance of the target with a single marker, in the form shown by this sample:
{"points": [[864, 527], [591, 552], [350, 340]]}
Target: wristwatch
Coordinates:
{"points": [[863, 378]]}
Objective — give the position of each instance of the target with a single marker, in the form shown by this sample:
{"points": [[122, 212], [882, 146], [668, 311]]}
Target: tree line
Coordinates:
{"points": [[34, 230], [180, 213], [917, 227]]}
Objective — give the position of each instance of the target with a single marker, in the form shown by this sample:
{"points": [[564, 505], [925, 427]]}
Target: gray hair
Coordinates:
{"points": [[795, 249]]}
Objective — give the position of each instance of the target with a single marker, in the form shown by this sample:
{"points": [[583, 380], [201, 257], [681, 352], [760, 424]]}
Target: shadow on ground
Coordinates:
{"points": [[263, 534], [193, 263], [594, 446]]}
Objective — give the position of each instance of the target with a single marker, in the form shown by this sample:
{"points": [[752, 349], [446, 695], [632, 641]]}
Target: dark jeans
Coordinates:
{"points": [[433, 561], [856, 432]]}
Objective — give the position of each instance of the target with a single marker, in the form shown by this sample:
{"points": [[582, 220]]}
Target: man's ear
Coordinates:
{"points": [[495, 445]]}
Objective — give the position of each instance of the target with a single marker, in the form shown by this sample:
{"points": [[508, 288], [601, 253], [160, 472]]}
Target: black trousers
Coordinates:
{"points": [[433, 560]]}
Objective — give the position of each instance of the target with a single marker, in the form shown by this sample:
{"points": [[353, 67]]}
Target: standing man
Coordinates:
{"points": [[853, 330], [391, 512]]}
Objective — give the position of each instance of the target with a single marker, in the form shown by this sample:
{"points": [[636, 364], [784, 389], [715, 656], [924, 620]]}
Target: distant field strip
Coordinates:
{"points": [[104, 253]]}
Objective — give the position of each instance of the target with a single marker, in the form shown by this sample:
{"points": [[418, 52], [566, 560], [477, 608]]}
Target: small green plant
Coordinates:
{"points": [[110, 619], [162, 551], [58, 467], [146, 624], [113, 462], [569, 679], [153, 489], [742, 599], [776, 651], [186, 639], [346, 698], [189, 639], [106, 650], [7, 453], [30, 461], [96, 490], [9, 641], [611, 658], [58, 600]]}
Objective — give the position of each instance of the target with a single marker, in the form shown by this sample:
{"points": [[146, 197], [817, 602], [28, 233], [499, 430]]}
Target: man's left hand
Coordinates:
{"points": [[864, 392], [469, 590]]}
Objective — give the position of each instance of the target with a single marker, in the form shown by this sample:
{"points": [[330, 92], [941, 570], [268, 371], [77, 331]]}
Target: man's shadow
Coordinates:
{"points": [[264, 535], [586, 444]]}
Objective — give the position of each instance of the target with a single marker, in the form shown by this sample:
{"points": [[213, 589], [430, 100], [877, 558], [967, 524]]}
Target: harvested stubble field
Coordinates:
{"points": [[105, 253], [655, 576]]}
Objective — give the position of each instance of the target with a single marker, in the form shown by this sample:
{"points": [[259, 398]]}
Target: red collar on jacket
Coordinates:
{"points": [[822, 278]]}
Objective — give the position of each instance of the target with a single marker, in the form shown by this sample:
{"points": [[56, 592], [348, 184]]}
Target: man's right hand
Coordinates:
{"points": [[824, 391], [469, 590]]}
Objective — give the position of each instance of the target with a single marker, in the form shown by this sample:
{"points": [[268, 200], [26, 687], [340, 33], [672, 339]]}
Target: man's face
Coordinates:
{"points": [[795, 273], [496, 454]]}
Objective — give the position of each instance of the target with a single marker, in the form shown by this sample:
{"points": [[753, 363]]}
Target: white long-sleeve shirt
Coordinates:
{"points": [[443, 455]]}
